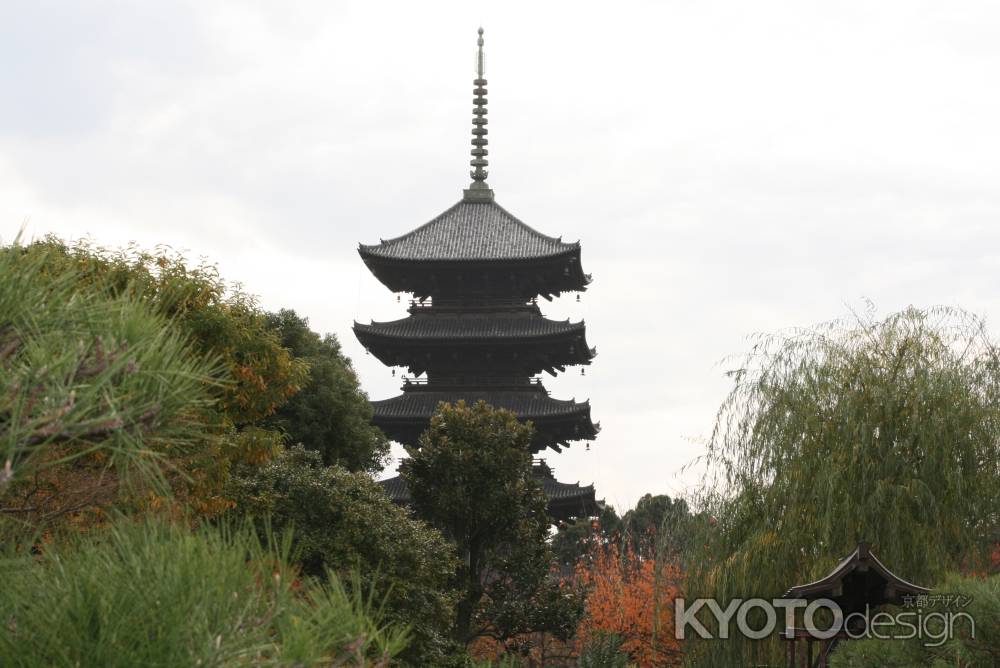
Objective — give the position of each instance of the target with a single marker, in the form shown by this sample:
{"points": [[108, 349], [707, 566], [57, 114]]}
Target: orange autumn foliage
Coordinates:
{"points": [[531, 649], [631, 596]]}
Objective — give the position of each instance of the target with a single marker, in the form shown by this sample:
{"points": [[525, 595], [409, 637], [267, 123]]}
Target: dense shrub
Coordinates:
{"points": [[152, 595], [88, 377], [103, 352], [344, 521], [252, 375], [964, 648], [631, 597]]}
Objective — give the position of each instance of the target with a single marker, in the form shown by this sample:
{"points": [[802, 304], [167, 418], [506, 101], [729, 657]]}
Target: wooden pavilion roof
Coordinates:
{"points": [[860, 578]]}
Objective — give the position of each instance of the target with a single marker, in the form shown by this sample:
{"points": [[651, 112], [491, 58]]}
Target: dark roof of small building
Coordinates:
{"points": [[860, 577], [527, 405], [396, 488], [471, 326], [471, 231]]}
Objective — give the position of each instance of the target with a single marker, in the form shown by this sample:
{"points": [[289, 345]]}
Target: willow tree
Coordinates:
{"points": [[862, 429]]}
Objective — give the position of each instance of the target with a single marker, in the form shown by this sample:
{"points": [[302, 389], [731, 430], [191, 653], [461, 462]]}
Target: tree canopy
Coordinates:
{"points": [[885, 430], [251, 376], [154, 323], [657, 524], [117, 363], [471, 477], [91, 379], [330, 414], [343, 522]]}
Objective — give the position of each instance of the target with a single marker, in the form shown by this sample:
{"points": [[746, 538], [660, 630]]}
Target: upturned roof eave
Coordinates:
{"points": [[384, 330], [569, 408], [848, 565], [368, 252], [390, 271]]}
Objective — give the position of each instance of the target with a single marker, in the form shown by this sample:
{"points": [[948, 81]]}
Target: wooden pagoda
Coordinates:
{"points": [[474, 330]]}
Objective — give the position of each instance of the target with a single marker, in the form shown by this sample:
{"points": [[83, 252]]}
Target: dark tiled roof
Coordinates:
{"points": [[471, 231], [475, 326], [527, 405], [864, 561], [564, 491], [396, 488], [565, 499]]}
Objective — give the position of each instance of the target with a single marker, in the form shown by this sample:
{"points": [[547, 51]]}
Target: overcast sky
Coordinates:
{"points": [[729, 167]]}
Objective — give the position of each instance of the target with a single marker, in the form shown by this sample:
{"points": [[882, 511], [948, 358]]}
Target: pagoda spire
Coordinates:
{"points": [[478, 190]]}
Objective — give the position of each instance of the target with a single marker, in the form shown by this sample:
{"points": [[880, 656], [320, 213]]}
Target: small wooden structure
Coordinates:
{"points": [[860, 582]]}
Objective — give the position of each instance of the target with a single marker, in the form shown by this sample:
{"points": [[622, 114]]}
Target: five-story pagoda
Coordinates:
{"points": [[475, 331]]}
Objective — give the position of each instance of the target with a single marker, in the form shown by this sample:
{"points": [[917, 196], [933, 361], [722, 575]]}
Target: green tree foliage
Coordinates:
{"points": [[93, 378], [472, 478], [937, 648], [158, 595], [255, 373], [603, 650], [221, 319], [573, 540], [344, 521], [880, 430], [658, 525], [330, 414]]}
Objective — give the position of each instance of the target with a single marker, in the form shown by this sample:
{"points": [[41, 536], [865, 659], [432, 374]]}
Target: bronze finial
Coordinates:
{"points": [[478, 190]]}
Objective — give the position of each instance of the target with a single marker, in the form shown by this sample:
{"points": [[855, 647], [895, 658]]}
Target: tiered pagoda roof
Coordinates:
{"points": [[476, 327], [509, 340], [471, 231], [474, 330], [476, 247], [566, 500], [403, 418]]}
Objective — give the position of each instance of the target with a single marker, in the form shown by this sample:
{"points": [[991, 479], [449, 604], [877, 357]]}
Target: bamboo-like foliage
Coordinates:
{"points": [[160, 595], [885, 430]]}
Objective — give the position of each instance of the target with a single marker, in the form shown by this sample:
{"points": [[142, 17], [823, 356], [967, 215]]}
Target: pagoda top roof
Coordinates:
{"points": [[476, 326], [471, 231]]}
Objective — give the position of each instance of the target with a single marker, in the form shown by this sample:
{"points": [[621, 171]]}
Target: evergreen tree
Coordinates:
{"points": [[471, 477], [330, 414]]}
